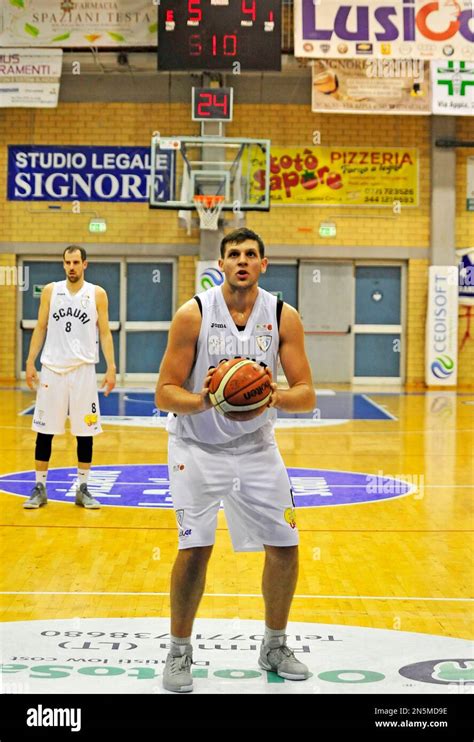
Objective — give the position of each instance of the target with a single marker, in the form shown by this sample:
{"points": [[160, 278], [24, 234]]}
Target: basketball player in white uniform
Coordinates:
{"points": [[72, 314], [212, 458]]}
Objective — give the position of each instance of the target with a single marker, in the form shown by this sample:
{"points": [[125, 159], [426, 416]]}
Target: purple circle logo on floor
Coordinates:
{"points": [[147, 486]]}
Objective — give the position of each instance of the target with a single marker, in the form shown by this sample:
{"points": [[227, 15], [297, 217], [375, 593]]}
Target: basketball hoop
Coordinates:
{"points": [[209, 209]]}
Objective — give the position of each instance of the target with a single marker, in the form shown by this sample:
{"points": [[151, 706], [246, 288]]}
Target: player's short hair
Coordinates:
{"points": [[240, 235], [73, 248]]}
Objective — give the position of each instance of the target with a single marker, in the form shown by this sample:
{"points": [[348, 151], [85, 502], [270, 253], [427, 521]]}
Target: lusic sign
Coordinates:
{"points": [[413, 29]]}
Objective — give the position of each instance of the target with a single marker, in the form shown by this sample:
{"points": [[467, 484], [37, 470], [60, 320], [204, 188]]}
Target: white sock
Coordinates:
{"points": [[178, 645], [82, 475], [41, 477], [272, 634]]}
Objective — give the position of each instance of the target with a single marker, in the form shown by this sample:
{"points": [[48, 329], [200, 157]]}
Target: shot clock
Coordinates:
{"points": [[217, 34], [212, 104]]}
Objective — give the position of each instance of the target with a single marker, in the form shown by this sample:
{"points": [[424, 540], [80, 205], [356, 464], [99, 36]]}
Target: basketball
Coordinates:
{"points": [[240, 388]]}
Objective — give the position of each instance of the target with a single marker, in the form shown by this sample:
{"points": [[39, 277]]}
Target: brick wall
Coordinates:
{"points": [[295, 125], [186, 277], [89, 124], [416, 319], [132, 124]]}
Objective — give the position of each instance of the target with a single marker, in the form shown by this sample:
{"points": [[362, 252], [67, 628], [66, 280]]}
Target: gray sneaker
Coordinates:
{"points": [[38, 497], [177, 673], [85, 499], [281, 659]]}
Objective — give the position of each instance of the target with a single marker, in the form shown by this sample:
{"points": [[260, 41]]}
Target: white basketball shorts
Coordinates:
{"points": [[72, 395], [250, 479]]}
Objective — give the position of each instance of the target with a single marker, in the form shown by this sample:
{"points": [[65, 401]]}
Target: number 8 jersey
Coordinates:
{"points": [[72, 338]]}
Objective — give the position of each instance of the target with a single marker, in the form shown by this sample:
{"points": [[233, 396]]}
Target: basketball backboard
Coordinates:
{"points": [[236, 169]]}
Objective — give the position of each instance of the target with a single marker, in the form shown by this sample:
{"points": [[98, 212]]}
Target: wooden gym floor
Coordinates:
{"points": [[403, 563]]}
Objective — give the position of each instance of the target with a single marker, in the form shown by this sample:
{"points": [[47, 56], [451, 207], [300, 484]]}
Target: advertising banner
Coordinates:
{"points": [[81, 23], [441, 356], [371, 86], [399, 29], [208, 275], [43, 173], [29, 78], [453, 87], [343, 176]]}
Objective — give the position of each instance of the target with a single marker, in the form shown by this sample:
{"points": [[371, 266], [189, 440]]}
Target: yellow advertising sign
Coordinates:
{"points": [[345, 176]]}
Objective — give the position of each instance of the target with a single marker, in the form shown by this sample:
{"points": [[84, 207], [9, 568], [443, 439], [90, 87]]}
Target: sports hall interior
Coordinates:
{"points": [[399, 564]]}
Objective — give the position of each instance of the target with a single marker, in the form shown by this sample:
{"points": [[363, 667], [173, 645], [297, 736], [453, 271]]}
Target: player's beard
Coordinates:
{"points": [[73, 279]]}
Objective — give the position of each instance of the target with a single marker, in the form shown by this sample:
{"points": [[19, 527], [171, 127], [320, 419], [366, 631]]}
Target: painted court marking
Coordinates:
{"points": [[245, 595]]}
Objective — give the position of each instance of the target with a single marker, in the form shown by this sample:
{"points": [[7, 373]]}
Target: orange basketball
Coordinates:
{"points": [[240, 388]]}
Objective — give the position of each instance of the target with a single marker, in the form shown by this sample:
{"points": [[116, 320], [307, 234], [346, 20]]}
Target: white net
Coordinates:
{"points": [[209, 209]]}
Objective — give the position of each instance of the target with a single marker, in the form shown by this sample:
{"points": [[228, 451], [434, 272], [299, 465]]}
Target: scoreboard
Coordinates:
{"points": [[217, 34]]}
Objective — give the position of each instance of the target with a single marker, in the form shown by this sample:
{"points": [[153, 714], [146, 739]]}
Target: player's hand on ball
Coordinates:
{"points": [[274, 399], [206, 402], [31, 376], [240, 388]]}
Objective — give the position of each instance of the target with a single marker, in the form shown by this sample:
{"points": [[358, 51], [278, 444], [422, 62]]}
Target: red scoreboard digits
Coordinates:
{"points": [[212, 104], [194, 11], [214, 35]]}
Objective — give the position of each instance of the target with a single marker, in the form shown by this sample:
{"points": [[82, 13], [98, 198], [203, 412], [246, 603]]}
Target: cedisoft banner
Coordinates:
{"points": [[441, 357]]}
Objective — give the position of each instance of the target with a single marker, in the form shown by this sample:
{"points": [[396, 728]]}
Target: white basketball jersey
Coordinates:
{"points": [[72, 337], [220, 339]]}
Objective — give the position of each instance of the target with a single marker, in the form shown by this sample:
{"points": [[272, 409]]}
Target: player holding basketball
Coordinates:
{"points": [[71, 315], [212, 457]]}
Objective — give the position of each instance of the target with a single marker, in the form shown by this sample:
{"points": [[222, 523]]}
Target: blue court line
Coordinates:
{"points": [[379, 407], [341, 405]]}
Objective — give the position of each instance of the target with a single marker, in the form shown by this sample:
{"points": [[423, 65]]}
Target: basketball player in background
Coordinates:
{"points": [[212, 457], [71, 315]]}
